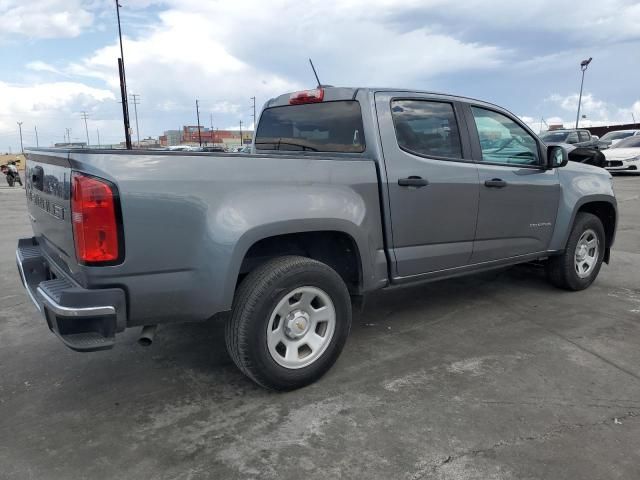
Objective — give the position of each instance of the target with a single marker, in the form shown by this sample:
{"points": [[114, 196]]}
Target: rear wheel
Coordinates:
{"points": [[290, 320], [580, 264]]}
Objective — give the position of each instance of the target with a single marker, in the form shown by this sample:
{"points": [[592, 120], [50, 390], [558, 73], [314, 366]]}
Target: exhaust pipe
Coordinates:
{"points": [[147, 335]]}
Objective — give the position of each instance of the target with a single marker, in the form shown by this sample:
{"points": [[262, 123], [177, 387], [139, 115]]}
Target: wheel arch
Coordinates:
{"points": [[338, 243], [605, 208]]}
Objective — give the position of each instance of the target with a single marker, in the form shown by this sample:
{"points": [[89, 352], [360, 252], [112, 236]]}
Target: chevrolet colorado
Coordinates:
{"points": [[346, 191]]}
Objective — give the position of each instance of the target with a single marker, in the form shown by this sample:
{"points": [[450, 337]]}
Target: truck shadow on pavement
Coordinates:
{"points": [[200, 347]]}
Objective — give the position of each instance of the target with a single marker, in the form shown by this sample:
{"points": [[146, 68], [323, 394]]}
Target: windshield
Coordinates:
{"points": [[554, 136], [316, 127], [630, 142], [616, 135]]}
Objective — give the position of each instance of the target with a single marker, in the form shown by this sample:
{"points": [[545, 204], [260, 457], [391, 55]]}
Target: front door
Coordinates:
{"points": [[518, 195], [432, 181]]}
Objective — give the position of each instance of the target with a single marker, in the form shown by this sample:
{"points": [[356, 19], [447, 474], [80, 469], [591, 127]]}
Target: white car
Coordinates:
{"points": [[610, 139], [624, 156]]}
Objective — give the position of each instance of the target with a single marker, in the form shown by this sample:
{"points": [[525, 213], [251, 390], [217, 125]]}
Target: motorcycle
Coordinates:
{"points": [[12, 177]]}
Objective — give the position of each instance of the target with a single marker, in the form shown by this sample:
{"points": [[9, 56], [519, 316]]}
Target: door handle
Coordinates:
{"points": [[495, 183], [413, 181]]}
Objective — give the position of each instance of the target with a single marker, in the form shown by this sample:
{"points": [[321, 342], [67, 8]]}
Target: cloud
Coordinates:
{"points": [[515, 54], [47, 106], [43, 18], [40, 66]]}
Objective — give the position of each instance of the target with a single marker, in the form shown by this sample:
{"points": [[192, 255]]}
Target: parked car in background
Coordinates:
{"points": [[624, 156], [577, 137], [610, 139]]}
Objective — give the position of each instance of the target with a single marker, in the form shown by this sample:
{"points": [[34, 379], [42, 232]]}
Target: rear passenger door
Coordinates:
{"points": [[518, 195], [431, 180]]}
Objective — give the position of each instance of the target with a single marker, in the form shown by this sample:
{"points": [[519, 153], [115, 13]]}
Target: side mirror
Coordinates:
{"points": [[557, 157]]}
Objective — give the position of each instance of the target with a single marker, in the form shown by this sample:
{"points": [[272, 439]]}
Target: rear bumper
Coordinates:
{"points": [[85, 320]]}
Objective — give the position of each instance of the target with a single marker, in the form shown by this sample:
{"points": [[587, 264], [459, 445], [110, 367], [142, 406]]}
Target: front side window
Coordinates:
{"points": [[426, 128], [504, 141], [314, 127], [584, 136]]}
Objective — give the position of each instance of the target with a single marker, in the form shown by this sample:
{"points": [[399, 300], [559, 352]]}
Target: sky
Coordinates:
{"points": [[59, 58]]}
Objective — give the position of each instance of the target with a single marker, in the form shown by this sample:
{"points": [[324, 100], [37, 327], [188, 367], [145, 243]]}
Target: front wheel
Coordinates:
{"points": [[290, 320], [580, 264], [10, 180]]}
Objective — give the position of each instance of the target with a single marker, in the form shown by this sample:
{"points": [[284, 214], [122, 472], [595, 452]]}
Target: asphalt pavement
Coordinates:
{"points": [[494, 376]]}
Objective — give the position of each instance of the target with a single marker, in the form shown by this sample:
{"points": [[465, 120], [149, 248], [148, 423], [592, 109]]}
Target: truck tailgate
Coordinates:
{"points": [[48, 189]]}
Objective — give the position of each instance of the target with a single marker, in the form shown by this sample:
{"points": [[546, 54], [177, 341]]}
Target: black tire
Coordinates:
{"points": [[255, 300], [10, 180], [561, 270]]}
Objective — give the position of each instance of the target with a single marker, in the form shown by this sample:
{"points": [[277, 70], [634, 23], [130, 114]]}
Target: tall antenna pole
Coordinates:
{"points": [[135, 110], [35, 127], [123, 85], [20, 127], [198, 117], [315, 73], [86, 129]]}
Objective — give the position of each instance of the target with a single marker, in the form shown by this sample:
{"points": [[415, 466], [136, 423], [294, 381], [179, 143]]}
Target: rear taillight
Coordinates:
{"points": [[307, 96], [94, 218]]}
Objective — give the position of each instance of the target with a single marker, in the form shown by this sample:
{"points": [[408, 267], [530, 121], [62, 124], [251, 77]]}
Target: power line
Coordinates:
{"points": [[254, 112], [198, 117], [86, 128], [135, 109]]}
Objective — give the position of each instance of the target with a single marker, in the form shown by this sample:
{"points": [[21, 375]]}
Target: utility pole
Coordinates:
{"points": [[198, 117], [20, 127], [123, 85], [634, 117], [35, 127], [98, 132], [254, 112], [241, 144], [583, 66], [86, 128], [135, 110]]}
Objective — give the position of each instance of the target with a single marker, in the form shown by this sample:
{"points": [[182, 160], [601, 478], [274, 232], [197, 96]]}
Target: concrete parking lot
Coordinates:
{"points": [[495, 376]]}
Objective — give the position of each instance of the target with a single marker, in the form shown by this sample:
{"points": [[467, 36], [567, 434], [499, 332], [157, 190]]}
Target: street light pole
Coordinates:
{"points": [[35, 127], [583, 66], [20, 127], [241, 144]]}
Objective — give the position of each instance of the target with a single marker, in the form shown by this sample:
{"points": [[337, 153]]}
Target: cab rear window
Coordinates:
{"points": [[315, 127]]}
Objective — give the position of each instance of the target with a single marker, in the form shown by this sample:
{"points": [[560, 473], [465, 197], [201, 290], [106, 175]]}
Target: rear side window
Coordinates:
{"points": [[426, 128], [316, 127]]}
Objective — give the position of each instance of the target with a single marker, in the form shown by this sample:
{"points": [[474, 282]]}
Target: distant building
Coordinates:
{"points": [[171, 137], [71, 145], [189, 135], [149, 143]]}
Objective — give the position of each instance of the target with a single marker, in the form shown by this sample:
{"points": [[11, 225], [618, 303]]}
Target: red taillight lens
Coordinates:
{"points": [[306, 96], [93, 214]]}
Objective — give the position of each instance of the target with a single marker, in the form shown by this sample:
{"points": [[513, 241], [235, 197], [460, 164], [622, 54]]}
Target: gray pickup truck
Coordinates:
{"points": [[347, 191]]}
